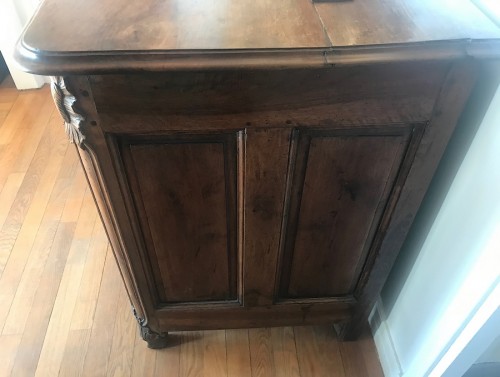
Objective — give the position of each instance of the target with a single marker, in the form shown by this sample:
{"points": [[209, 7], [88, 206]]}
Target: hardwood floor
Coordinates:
{"points": [[63, 308]]}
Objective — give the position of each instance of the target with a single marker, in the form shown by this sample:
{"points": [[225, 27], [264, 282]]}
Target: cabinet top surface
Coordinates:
{"points": [[102, 32]]}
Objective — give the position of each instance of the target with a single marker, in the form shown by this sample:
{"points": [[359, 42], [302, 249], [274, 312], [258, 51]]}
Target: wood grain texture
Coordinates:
{"points": [[39, 316], [19, 210], [349, 94], [74, 348], [191, 360], [350, 352], [261, 352], [186, 199], [10, 345], [16, 306], [238, 353], [215, 354], [144, 359], [318, 343], [341, 184], [60, 319], [112, 36], [121, 355], [369, 22], [175, 24], [100, 342], [67, 251], [266, 162], [285, 352], [168, 359], [427, 154], [29, 206]]}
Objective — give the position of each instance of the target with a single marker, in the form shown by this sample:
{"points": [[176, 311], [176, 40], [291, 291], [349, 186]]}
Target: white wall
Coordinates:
{"points": [[492, 354], [14, 14], [456, 264]]}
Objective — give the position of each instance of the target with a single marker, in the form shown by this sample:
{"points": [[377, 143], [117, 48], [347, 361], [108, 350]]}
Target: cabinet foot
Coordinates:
{"points": [[351, 330], [346, 332], [154, 339]]}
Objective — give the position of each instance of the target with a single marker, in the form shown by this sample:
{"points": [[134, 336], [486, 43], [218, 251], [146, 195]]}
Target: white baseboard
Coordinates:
{"points": [[383, 342]]}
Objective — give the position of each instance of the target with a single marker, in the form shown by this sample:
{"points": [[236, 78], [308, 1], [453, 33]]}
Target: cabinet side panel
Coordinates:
{"points": [[339, 198], [185, 195]]}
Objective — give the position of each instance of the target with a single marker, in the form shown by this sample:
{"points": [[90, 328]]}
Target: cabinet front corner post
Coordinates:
{"points": [[155, 340]]}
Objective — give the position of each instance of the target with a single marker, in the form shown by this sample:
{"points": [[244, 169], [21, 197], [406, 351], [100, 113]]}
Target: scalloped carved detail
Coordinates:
{"points": [[65, 102], [155, 340]]}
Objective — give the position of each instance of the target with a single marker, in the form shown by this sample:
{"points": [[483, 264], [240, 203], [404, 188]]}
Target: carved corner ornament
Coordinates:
{"points": [[155, 340], [65, 102]]}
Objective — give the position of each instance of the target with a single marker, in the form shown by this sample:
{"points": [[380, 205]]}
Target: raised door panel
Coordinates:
{"points": [[184, 192], [341, 183]]}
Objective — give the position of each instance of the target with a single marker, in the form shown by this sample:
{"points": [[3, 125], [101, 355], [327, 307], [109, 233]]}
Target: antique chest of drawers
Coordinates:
{"points": [[257, 163]]}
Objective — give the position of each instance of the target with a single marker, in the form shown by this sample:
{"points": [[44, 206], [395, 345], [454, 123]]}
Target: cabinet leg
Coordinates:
{"points": [[351, 330], [346, 331], [154, 339], [340, 330]]}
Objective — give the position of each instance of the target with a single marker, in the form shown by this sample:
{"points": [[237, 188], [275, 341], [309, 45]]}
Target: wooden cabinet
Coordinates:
{"points": [[271, 212], [262, 187]]}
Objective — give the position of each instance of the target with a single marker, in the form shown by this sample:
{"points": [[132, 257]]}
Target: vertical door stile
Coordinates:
{"points": [[267, 155]]}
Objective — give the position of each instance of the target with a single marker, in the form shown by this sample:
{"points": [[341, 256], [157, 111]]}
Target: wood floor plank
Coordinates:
{"points": [[48, 155], [21, 204], [7, 99], [284, 352], [72, 359], [101, 338], [59, 325], [83, 315], [8, 194], [38, 319], [124, 333], [8, 95], [261, 352], [22, 131], [144, 360], [350, 353], [18, 307], [22, 113], [28, 208], [214, 354], [9, 153], [318, 351], [191, 358], [42, 127], [238, 353], [8, 346], [25, 237], [74, 202], [168, 359]]}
